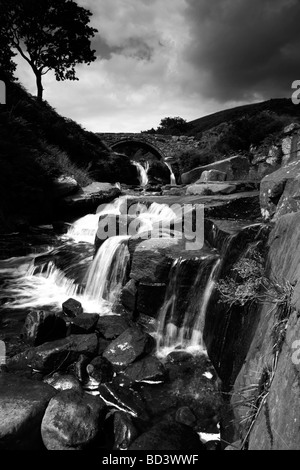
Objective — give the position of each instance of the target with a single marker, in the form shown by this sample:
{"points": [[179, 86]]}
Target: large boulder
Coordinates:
{"points": [[168, 435], [42, 326], [204, 189], [212, 175], [125, 431], [22, 406], [65, 186], [88, 199], [83, 324], [148, 369], [280, 191], [56, 354], [71, 421], [236, 168], [128, 347], [112, 326], [123, 399]]}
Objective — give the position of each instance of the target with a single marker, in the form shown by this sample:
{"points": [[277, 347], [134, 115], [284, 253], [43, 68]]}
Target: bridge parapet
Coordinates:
{"points": [[167, 146]]}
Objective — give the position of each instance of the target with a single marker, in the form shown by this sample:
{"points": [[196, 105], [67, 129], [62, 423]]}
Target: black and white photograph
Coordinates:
{"points": [[149, 228]]}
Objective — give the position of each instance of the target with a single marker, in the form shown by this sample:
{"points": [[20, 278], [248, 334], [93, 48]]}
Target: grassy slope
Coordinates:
{"points": [[281, 106], [38, 145]]}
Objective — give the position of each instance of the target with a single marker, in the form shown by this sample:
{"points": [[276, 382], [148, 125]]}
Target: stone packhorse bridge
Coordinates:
{"points": [[164, 147]]}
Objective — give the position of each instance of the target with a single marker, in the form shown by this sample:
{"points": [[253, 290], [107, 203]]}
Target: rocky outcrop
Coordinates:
{"points": [[280, 192], [236, 168], [212, 175], [87, 199]]}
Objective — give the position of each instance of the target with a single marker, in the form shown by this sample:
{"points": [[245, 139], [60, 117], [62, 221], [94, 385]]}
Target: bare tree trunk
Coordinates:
{"points": [[39, 85]]}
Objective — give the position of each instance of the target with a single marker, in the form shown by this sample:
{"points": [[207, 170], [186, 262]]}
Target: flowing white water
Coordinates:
{"points": [[188, 336], [107, 273], [143, 177], [172, 176]]}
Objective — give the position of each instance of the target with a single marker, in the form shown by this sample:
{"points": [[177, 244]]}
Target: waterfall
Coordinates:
{"points": [[143, 177], [107, 273], [183, 330], [172, 176]]}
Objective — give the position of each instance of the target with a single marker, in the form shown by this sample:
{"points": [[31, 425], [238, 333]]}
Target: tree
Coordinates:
{"points": [[7, 66], [49, 35], [170, 126]]}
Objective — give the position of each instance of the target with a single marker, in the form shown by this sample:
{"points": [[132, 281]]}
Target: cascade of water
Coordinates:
{"points": [[143, 177], [108, 270], [172, 176], [179, 329]]}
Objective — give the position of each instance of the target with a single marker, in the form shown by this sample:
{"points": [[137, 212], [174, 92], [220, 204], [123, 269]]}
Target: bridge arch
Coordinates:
{"points": [[142, 144]]}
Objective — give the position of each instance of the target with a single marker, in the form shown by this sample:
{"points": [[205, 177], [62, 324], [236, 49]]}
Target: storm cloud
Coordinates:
{"points": [[188, 58], [244, 49]]}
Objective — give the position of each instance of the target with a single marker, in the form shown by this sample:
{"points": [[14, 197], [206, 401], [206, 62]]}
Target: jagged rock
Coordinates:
{"points": [[63, 382], [150, 298], [124, 399], [185, 416], [79, 368], [102, 345], [213, 445], [280, 194], [149, 369], [152, 260], [234, 446], [71, 421], [125, 432], [100, 370], [212, 175], [112, 326], [88, 199], [40, 327], [82, 324], [128, 347], [210, 188], [64, 186], [55, 355], [72, 308], [236, 167], [22, 405], [128, 295], [168, 435]]}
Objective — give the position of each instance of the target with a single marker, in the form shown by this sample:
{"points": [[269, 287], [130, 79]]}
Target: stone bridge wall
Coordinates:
{"points": [[167, 146]]}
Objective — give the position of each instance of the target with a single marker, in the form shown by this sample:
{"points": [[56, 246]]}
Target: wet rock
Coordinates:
{"points": [[128, 295], [234, 446], [168, 435], [179, 356], [236, 167], [100, 370], [71, 421], [64, 186], [152, 259], [82, 324], [185, 416], [148, 369], [279, 193], [125, 431], [112, 326], [150, 298], [123, 399], [210, 188], [63, 382], [102, 345], [212, 175], [128, 347], [213, 445], [72, 308], [22, 405], [55, 355], [43, 326], [79, 368]]}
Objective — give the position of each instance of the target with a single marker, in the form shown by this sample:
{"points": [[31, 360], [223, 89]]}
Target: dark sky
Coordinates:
{"points": [[187, 58]]}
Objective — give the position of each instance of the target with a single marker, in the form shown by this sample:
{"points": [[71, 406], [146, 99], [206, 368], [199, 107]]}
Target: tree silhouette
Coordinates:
{"points": [[170, 126], [49, 35]]}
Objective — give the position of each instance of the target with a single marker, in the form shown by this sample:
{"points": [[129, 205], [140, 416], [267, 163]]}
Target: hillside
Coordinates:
{"points": [[280, 107], [37, 145]]}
